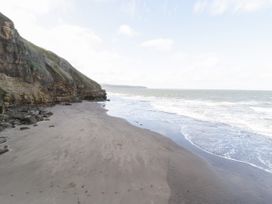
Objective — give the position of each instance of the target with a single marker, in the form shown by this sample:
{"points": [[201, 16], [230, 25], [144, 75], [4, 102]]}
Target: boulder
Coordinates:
{"points": [[3, 140], [4, 149]]}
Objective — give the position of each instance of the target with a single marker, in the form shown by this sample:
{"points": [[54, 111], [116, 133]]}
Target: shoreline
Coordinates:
{"points": [[224, 124], [248, 176], [226, 158], [187, 143], [89, 156]]}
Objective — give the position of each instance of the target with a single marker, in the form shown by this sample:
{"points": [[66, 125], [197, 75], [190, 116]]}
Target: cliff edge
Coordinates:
{"points": [[32, 75]]}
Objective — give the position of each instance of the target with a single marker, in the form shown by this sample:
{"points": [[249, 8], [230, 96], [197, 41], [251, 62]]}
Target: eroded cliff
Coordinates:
{"points": [[32, 75]]}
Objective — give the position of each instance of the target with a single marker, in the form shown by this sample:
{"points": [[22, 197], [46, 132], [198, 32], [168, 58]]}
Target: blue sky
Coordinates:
{"points": [[210, 44]]}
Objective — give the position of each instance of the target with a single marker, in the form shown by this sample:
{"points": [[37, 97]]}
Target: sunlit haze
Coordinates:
{"points": [[197, 44]]}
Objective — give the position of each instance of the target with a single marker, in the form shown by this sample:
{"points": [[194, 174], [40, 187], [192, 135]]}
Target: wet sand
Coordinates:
{"points": [[82, 155]]}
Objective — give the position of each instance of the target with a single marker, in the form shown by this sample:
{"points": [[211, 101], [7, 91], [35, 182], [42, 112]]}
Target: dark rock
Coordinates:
{"points": [[4, 117], [29, 120], [4, 149], [24, 128], [51, 126], [5, 125], [23, 116], [48, 114], [34, 112], [39, 118], [2, 108], [3, 140], [15, 122], [17, 115]]}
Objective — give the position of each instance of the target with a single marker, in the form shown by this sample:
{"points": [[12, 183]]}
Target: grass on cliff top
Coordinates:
{"points": [[70, 74], [55, 67]]}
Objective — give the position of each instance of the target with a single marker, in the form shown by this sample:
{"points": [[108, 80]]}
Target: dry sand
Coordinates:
{"points": [[84, 156]]}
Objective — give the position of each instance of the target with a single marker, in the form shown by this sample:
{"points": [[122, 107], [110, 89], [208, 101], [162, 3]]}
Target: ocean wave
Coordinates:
{"points": [[251, 115], [254, 119], [240, 131]]}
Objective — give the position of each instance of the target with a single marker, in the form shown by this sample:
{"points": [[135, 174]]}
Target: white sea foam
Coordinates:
{"points": [[254, 116], [243, 115], [239, 130]]}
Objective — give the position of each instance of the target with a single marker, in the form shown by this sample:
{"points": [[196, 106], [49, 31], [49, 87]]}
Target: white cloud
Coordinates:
{"points": [[219, 7], [36, 7], [161, 44], [127, 31]]}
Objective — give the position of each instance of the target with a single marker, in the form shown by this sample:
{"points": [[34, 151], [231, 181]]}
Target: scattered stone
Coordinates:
{"points": [[17, 114], [4, 117], [47, 114], [4, 149], [3, 140], [5, 125], [28, 120], [39, 118], [71, 185], [24, 128], [23, 115]]}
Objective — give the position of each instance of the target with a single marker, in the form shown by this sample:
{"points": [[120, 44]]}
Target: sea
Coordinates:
{"points": [[235, 125]]}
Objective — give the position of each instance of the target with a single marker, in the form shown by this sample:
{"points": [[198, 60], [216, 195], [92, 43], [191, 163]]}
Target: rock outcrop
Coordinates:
{"points": [[32, 75]]}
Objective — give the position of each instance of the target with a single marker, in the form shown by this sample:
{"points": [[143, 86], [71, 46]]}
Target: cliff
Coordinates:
{"points": [[32, 75]]}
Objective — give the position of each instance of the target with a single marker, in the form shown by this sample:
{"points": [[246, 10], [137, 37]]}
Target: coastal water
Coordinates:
{"points": [[235, 125]]}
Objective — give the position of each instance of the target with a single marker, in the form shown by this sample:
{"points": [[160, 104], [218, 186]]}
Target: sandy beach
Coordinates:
{"points": [[84, 156]]}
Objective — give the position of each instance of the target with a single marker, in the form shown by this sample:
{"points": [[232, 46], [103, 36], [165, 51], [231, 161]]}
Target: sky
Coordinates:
{"points": [[196, 44]]}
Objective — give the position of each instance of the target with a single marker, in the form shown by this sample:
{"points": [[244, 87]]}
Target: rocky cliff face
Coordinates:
{"points": [[32, 75]]}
